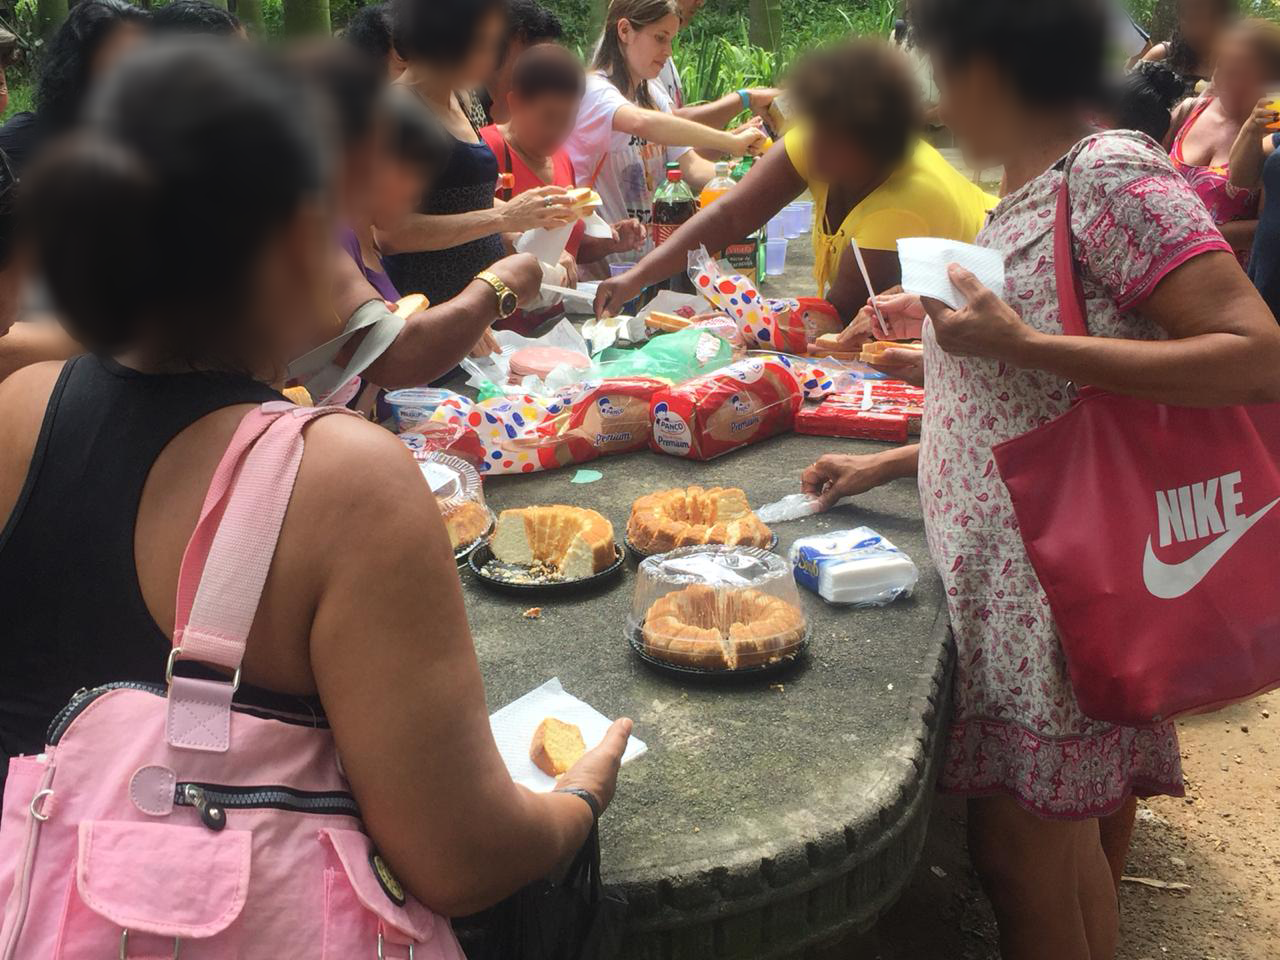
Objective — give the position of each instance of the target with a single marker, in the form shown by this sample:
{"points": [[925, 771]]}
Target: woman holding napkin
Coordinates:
{"points": [[1172, 319]]}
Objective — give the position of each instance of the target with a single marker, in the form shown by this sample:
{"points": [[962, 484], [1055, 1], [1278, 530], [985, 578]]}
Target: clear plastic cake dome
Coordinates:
{"points": [[717, 609], [459, 494]]}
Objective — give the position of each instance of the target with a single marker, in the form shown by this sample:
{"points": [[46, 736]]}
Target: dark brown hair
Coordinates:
{"points": [[547, 68], [863, 90]]}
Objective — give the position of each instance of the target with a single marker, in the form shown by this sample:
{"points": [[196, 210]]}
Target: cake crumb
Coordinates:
{"points": [[533, 613]]}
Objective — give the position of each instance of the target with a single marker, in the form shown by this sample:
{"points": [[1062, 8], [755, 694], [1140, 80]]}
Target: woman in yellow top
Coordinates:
{"points": [[857, 149]]}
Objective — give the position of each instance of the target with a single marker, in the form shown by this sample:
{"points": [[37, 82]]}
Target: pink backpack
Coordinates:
{"points": [[166, 822]]}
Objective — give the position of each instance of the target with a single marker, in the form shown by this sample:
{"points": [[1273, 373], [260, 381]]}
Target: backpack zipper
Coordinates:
{"points": [[22, 893], [211, 801], [81, 699]]}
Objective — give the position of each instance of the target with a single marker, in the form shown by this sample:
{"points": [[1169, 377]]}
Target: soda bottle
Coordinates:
{"points": [[673, 204], [721, 184]]}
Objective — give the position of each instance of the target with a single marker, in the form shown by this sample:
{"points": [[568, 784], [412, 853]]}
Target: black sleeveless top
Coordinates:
{"points": [[71, 609]]}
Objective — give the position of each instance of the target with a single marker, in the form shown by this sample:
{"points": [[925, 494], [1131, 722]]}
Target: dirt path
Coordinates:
{"points": [[1223, 840]]}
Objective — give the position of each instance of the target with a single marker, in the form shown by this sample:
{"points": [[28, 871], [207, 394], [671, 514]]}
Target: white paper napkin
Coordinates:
{"points": [[514, 724], [925, 261]]}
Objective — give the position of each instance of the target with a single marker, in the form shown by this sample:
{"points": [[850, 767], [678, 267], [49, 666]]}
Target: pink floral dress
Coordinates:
{"points": [[1017, 729]]}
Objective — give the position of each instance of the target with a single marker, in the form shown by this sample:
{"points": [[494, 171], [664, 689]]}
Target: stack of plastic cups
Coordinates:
{"points": [[777, 228], [795, 222], [805, 215]]}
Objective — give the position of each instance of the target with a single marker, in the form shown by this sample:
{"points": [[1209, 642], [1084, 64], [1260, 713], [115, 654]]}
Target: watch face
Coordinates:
{"points": [[507, 304]]}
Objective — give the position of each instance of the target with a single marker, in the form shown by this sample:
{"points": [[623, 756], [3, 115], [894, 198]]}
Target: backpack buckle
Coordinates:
{"points": [[124, 946], [381, 952]]}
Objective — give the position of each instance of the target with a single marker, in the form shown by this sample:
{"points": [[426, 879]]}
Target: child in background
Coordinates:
{"points": [[547, 84]]}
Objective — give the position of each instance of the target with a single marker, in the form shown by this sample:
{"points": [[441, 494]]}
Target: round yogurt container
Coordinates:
{"points": [[415, 405]]}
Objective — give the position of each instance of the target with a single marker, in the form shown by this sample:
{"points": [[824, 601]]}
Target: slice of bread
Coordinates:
{"points": [[556, 746]]}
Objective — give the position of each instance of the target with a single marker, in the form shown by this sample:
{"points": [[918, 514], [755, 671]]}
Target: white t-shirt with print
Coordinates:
{"points": [[629, 168]]}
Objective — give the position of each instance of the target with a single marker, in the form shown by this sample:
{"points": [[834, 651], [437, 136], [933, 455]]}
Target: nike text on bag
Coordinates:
{"points": [[1154, 530], [166, 822]]}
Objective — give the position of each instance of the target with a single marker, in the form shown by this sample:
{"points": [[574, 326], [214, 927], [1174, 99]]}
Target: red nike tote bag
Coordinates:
{"points": [[1155, 531]]}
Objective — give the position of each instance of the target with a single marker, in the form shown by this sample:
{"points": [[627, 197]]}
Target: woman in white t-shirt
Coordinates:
{"points": [[625, 134]]}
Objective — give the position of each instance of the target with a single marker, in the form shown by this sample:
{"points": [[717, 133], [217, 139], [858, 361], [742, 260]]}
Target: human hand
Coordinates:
{"points": [[748, 140], [570, 267], [905, 365], [597, 770], [903, 314], [761, 99], [486, 346], [543, 207], [628, 235], [987, 327], [1264, 114], [613, 293], [837, 476], [522, 273]]}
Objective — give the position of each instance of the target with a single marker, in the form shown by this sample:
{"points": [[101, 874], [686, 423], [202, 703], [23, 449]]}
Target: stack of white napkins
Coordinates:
{"points": [[925, 261], [514, 724]]}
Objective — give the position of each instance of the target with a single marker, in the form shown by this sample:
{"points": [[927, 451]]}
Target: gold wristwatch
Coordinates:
{"points": [[508, 302]]}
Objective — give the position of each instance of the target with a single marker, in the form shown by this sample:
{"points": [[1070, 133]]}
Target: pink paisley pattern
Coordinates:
{"points": [[1017, 728]]}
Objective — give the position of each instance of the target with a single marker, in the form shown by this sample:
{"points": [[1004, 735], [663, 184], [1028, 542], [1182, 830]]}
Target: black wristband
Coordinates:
{"points": [[586, 795]]}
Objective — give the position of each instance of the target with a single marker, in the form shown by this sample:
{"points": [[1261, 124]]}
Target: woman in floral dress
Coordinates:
{"points": [[1172, 318]]}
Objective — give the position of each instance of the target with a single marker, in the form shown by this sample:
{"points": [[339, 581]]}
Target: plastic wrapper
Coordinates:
{"points": [[744, 403], [454, 438], [797, 506], [853, 567], [525, 434], [772, 324], [887, 410], [716, 609], [460, 496], [674, 356]]}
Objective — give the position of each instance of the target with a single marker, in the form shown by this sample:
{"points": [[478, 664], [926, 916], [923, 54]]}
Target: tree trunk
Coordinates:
{"points": [[306, 17], [250, 14], [1163, 17], [766, 24], [49, 16]]}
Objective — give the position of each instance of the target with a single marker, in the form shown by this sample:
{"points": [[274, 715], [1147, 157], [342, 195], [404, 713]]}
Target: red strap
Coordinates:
{"points": [[1071, 309]]}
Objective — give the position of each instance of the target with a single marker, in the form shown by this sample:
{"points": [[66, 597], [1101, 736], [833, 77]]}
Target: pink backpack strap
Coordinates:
{"points": [[1071, 308], [225, 565]]}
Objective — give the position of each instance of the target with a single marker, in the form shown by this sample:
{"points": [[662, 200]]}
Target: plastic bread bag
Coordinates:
{"points": [[528, 433], [744, 403], [495, 373], [853, 567], [770, 323], [674, 356]]}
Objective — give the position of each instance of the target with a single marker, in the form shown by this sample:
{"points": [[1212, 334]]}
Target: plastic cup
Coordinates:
{"points": [[618, 269], [806, 208], [777, 229], [775, 257], [794, 220]]}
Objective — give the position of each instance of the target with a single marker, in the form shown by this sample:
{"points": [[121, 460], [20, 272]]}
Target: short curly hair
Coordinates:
{"points": [[1054, 51], [862, 89]]}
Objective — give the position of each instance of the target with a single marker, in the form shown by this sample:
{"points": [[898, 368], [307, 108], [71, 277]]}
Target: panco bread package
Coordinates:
{"points": [[744, 403], [527, 433]]}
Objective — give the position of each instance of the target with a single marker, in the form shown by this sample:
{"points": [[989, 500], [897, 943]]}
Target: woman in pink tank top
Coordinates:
{"points": [[1248, 65]]}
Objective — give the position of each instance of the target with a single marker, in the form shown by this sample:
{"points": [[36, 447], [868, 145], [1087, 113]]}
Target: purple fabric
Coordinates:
{"points": [[378, 278]]}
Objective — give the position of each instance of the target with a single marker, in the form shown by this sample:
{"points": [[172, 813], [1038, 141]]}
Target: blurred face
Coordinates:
{"points": [[12, 285], [979, 105], [688, 8], [835, 159], [398, 189], [123, 38], [1240, 78], [647, 49], [1199, 22], [292, 287], [543, 124], [357, 172], [478, 67]]}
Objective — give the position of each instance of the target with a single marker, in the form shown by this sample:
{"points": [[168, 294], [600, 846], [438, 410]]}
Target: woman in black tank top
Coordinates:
{"points": [[179, 237]]}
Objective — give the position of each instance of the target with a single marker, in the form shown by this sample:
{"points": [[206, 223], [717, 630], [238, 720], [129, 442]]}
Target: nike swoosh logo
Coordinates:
{"points": [[1168, 581]]}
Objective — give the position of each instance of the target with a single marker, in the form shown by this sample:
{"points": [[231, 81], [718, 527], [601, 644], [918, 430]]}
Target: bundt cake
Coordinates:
{"points": [[466, 522], [687, 517], [721, 629], [569, 542]]}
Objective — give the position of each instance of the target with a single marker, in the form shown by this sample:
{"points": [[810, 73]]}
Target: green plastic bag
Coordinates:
{"points": [[672, 356]]}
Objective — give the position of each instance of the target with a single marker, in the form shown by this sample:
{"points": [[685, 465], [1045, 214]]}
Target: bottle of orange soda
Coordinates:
{"points": [[718, 186]]}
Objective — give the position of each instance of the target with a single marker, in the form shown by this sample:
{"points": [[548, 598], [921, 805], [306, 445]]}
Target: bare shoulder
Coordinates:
{"points": [[24, 395], [1157, 53], [348, 458]]}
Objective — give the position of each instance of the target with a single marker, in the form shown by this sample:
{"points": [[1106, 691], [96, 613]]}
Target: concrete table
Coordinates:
{"points": [[770, 815]]}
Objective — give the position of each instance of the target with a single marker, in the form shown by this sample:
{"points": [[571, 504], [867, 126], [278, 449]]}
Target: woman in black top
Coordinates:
{"points": [[452, 47], [185, 235], [87, 43]]}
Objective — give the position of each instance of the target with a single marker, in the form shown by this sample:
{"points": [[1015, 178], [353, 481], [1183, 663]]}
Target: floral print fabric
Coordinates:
{"points": [[1017, 728]]}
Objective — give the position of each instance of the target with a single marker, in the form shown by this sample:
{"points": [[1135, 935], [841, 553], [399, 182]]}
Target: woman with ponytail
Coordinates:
{"points": [[185, 236]]}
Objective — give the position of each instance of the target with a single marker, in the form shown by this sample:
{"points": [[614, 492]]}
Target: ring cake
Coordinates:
{"points": [[569, 542], [685, 517], [457, 489], [713, 628]]}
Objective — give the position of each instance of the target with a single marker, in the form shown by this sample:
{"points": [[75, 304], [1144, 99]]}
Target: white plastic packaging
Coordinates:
{"points": [[855, 567]]}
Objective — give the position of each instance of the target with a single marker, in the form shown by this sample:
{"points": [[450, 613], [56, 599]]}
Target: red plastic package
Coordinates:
{"points": [[455, 439], [842, 420], [741, 404]]}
